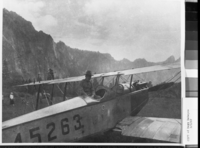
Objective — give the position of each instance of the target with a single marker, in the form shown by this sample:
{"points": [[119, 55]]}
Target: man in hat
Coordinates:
{"points": [[87, 87]]}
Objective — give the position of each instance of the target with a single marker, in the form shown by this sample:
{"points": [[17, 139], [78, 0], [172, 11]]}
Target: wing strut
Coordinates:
{"points": [[51, 102], [46, 97], [60, 89], [131, 81], [172, 77], [168, 81], [64, 91], [38, 96], [117, 80], [102, 79]]}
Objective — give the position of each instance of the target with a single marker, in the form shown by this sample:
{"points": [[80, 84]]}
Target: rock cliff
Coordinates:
{"points": [[28, 52]]}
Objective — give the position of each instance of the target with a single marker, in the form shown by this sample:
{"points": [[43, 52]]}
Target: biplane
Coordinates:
{"points": [[83, 116]]}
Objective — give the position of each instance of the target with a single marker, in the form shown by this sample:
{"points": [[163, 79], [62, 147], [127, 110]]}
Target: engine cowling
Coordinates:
{"points": [[124, 88]]}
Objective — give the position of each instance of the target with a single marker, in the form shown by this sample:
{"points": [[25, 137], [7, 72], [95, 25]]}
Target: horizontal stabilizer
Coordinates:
{"points": [[162, 129]]}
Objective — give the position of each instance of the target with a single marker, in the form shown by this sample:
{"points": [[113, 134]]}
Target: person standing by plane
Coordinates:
{"points": [[39, 77], [87, 87], [50, 74], [12, 99]]}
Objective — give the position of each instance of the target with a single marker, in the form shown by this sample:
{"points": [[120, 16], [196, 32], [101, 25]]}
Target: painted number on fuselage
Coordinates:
{"points": [[34, 134], [51, 127], [78, 125], [65, 126]]}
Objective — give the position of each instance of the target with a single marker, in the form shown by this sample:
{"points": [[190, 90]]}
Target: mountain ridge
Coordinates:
{"points": [[29, 52]]}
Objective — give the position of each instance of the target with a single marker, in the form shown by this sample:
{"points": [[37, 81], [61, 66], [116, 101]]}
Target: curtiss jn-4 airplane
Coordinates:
{"points": [[80, 117]]}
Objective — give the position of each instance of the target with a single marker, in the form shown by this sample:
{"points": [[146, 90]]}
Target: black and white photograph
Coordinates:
{"points": [[92, 71]]}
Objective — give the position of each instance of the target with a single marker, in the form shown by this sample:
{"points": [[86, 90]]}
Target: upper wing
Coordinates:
{"points": [[37, 83], [162, 129], [151, 69], [124, 72]]}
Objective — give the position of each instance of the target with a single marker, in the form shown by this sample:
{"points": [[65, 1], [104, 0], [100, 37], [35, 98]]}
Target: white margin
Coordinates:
{"points": [[183, 93], [1, 45]]}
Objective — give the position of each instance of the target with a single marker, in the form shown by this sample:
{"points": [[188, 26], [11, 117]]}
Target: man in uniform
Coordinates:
{"points": [[87, 87]]}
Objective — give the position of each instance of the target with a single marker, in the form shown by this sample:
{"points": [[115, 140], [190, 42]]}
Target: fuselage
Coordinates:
{"points": [[74, 119]]}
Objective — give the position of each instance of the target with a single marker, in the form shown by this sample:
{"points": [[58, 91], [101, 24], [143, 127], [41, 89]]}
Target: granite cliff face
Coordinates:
{"points": [[29, 52], [26, 50]]}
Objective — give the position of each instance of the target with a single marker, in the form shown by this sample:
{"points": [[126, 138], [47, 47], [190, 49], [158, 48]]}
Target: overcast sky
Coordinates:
{"points": [[131, 29]]}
